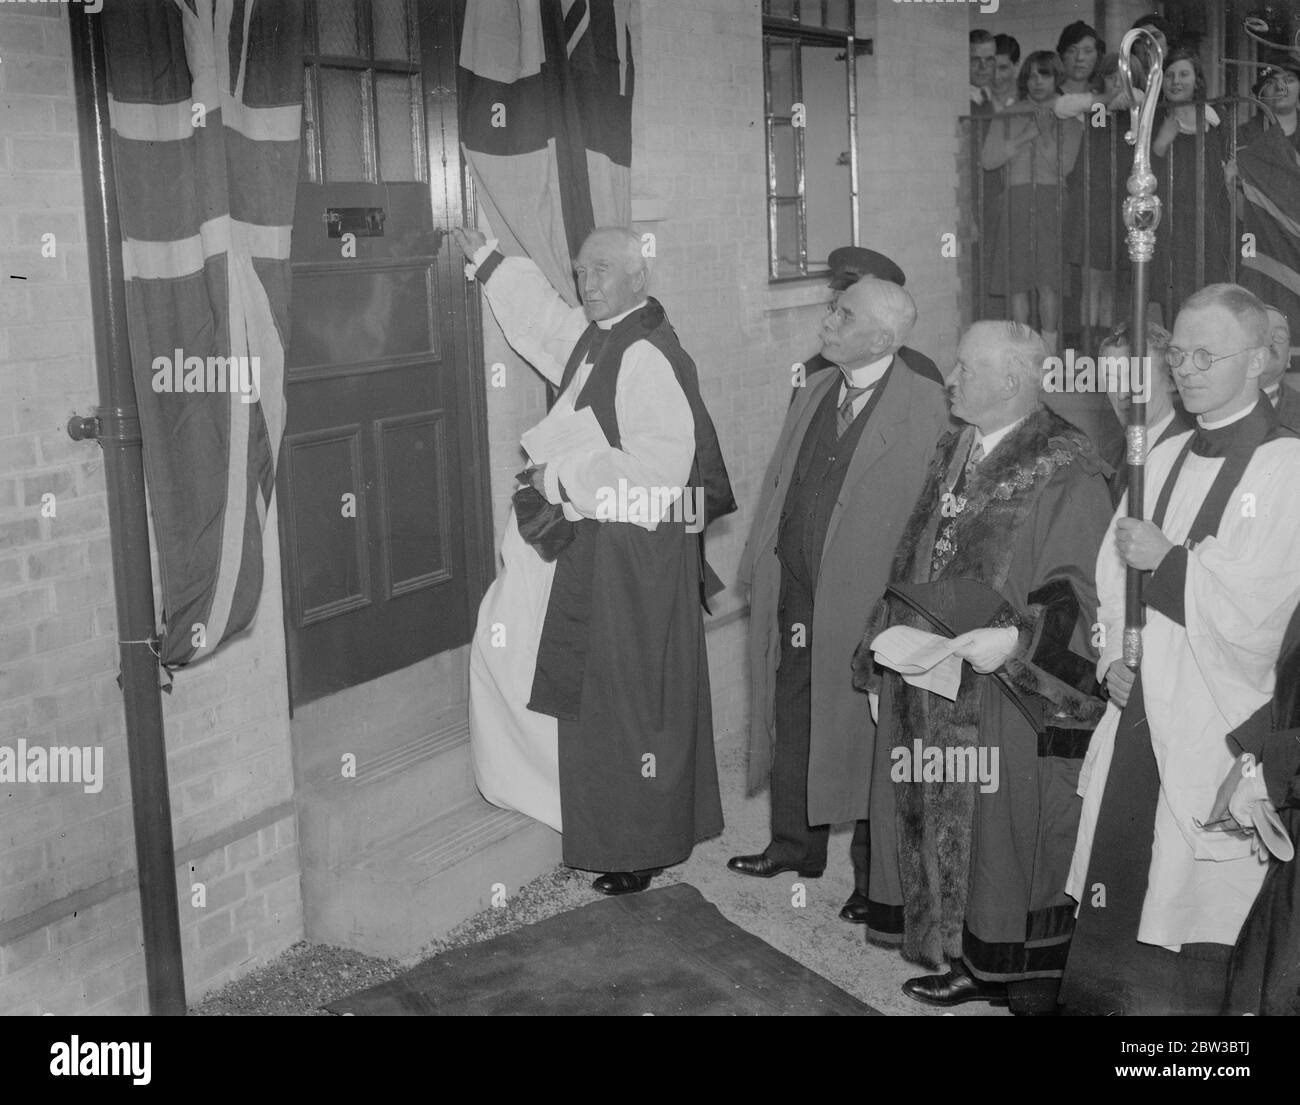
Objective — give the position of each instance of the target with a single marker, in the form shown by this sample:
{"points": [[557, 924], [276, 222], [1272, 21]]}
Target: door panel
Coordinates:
{"points": [[384, 424]]}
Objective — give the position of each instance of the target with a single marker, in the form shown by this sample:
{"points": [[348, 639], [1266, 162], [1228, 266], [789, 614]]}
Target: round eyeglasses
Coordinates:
{"points": [[1201, 358]]}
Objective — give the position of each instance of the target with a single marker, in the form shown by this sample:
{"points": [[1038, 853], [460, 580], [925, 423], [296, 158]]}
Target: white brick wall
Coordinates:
{"points": [[227, 719]]}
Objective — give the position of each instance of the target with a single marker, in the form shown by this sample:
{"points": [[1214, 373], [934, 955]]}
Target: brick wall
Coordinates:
{"points": [[69, 912]]}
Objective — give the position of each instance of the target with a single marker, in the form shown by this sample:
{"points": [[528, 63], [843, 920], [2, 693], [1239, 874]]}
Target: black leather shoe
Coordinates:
{"points": [[955, 988], [762, 867], [625, 882], [855, 909]]}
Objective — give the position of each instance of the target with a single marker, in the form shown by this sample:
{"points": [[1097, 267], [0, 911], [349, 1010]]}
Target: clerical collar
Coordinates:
{"points": [[868, 374], [610, 323], [1213, 439], [990, 441]]}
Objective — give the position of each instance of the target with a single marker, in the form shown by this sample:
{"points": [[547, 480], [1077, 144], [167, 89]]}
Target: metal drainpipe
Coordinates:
{"points": [[116, 426]]}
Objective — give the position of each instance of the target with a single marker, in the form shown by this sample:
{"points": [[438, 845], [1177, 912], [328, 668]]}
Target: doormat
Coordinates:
{"points": [[665, 952]]}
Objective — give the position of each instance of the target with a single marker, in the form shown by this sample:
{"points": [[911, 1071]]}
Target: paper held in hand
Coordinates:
{"points": [[560, 435], [923, 659]]}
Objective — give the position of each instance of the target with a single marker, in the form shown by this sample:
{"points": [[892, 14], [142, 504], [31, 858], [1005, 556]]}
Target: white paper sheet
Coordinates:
{"points": [[923, 659], [560, 435]]}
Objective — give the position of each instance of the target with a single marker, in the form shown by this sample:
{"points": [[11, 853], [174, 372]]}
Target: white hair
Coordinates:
{"points": [[631, 241], [1023, 350], [888, 304]]}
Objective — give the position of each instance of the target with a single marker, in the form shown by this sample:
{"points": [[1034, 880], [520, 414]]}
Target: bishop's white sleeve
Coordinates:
{"points": [[657, 448], [539, 325]]}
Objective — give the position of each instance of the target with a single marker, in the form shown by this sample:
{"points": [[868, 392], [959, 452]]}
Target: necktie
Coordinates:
{"points": [[976, 455], [845, 419]]}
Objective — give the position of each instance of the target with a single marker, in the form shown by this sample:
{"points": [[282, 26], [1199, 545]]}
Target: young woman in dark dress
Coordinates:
{"points": [[1175, 163], [1097, 186], [1027, 232]]}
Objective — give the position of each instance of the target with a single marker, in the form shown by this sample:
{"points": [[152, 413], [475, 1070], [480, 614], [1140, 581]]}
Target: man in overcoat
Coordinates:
{"points": [[847, 467]]}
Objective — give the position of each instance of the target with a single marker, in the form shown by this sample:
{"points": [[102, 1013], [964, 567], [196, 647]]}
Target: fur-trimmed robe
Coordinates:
{"points": [[956, 873]]}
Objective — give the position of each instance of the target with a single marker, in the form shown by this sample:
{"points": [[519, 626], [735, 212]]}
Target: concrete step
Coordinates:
{"points": [[395, 788], [406, 891], [382, 714]]}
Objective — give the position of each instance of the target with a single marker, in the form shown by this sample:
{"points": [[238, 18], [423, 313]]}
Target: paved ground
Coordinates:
{"points": [[308, 976]]}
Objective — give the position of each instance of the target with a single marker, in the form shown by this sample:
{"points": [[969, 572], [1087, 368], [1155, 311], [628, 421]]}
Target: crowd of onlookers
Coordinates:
{"points": [[1050, 135]]}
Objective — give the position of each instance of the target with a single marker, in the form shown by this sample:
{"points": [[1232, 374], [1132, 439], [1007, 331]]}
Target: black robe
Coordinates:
{"points": [[1264, 973], [622, 663]]}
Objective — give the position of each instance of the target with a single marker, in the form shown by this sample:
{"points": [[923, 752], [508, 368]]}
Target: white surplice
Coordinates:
{"points": [[1199, 682], [514, 749]]}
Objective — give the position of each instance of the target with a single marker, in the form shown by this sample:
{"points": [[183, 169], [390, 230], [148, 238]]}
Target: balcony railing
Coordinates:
{"points": [[1198, 240]]}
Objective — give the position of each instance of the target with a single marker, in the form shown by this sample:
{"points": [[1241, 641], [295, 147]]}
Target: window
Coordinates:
{"points": [[362, 115], [810, 107]]}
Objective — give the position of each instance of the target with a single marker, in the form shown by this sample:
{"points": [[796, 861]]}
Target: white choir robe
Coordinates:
{"points": [[514, 749], [1200, 682]]}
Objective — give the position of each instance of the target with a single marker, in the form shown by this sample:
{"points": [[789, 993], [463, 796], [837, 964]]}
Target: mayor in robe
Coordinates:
{"points": [[1013, 508], [590, 707]]}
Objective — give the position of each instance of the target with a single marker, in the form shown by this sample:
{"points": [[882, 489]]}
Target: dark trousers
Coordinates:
{"points": [[794, 841]]}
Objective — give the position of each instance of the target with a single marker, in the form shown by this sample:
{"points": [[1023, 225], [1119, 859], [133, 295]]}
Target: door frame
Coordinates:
{"points": [[458, 315]]}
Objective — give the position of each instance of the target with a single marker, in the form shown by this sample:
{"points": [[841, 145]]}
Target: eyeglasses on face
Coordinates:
{"points": [[1201, 358], [838, 313]]}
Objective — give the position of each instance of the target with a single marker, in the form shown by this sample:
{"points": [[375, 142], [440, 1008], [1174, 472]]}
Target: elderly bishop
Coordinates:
{"points": [[589, 683]]}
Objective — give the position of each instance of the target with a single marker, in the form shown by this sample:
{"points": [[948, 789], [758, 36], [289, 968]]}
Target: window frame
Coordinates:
{"points": [[371, 68], [797, 34]]}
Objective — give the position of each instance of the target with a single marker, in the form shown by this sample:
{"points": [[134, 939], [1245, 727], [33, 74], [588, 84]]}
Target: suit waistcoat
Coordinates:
{"points": [[815, 485]]}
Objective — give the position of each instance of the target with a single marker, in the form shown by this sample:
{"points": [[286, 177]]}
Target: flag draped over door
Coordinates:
{"points": [[1269, 169], [205, 104], [545, 96]]}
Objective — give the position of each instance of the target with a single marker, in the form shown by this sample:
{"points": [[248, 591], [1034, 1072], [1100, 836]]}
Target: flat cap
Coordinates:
{"points": [[851, 263]]}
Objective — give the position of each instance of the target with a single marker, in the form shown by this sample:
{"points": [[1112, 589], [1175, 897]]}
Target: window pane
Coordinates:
{"points": [[395, 102], [341, 125], [307, 159], [837, 16], [392, 39], [338, 27], [780, 9], [358, 318], [783, 153], [780, 75], [787, 239], [827, 183], [810, 13]]}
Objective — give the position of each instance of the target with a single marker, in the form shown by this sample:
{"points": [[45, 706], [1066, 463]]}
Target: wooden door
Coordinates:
{"points": [[384, 514]]}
